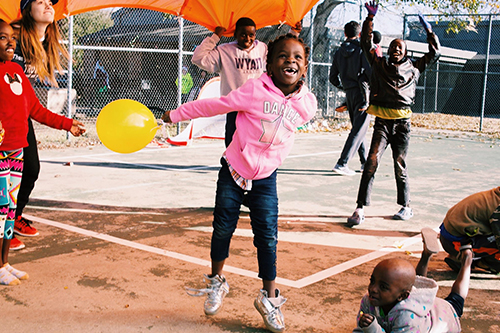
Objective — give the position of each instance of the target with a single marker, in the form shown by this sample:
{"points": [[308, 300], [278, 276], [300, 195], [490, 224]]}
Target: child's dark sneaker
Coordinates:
{"points": [[357, 218], [16, 244], [23, 227], [405, 213]]}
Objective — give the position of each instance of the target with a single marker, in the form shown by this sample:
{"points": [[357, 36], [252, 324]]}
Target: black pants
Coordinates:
{"points": [[230, 127], [31, 170], [396, 133]]}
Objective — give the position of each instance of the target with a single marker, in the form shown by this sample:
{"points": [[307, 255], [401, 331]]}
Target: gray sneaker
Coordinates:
{"points": [[356, 218], [343, 170], [270, 310], [405, 213], [217, 289]]}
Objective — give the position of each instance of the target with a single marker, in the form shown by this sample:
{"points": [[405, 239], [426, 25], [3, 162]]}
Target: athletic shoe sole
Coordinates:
{"points": [[17, 232]]}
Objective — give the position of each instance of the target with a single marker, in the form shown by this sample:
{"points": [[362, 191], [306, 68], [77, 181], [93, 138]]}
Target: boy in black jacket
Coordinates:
{"points": [[393, 85]]}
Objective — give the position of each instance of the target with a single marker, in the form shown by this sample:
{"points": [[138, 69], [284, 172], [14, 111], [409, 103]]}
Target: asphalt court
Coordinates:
{"points": [[155, 205]]}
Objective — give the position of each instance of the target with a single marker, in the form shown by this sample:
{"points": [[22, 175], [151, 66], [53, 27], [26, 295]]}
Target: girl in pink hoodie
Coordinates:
{"points": [[270, 108]]}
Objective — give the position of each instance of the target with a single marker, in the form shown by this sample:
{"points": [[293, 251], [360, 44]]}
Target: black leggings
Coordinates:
{"points": [[31, 170]]}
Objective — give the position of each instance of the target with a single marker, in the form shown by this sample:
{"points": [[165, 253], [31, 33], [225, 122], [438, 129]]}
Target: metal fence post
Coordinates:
{"points": [[70, 70], [311, 56], [404, 26], [423, 93], [436, 87], [179, 70], [485, 81]]}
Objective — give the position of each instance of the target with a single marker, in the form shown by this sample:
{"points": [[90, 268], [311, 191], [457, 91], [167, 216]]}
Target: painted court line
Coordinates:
{"points": [[151, 249], [295, 284], [93, 211]]}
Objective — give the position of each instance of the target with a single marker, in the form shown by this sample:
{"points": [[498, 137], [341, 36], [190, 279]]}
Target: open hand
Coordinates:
{"points": [[371, 7], [77, 128]]}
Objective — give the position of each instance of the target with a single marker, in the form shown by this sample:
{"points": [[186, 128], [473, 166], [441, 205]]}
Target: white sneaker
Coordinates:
{"points": [[405, 213], [217, 289], [270, 310], [343, 170]]}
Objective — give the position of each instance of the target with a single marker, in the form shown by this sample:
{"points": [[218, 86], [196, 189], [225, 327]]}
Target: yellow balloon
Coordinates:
{"points": [[126, 126]]}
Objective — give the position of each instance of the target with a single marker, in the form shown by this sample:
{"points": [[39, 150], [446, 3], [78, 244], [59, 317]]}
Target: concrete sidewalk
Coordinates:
{"points": [[443, 169]]}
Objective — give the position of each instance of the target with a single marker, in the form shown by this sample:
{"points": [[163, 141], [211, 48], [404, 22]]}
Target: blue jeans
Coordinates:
{"points": [[395, 132], [263, 204]]}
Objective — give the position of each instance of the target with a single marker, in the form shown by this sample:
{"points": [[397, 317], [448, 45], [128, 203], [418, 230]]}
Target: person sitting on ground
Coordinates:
{"points": [[474, 220], [392, 93], [401, 298]]}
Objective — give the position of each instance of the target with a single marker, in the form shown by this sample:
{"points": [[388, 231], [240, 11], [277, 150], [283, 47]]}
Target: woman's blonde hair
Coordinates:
{"points": [[46, 56]]}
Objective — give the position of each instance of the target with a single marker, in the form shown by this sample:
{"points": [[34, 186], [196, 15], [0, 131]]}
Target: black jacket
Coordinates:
{"points": [[350, 64], [393, 85]]}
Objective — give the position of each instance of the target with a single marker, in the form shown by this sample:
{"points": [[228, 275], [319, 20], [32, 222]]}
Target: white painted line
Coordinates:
{"points": [[151, 249], [110, 153], [333, 239], [286, 282], [93, 211], [315, 154]]}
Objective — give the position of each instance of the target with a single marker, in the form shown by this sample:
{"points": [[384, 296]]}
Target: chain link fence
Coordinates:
{"points": [[135, 54]]}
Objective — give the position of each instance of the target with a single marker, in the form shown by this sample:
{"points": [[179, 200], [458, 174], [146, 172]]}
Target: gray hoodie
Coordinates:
{"points": [[421, 312]]}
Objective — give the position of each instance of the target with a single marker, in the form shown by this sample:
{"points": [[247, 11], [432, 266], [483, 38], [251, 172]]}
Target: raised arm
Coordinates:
{"points": [[206, 56], [367, 32], [434, 46]]}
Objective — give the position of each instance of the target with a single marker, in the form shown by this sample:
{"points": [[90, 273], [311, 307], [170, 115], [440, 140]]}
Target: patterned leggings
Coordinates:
{"points": [[11, 171]]}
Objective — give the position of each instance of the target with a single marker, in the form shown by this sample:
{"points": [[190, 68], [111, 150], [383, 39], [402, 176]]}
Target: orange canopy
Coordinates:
{"points": [[208, 13]]}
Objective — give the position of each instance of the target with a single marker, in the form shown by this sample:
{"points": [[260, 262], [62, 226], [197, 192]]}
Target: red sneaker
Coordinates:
{"points": [[16, 244], [23, 227]]}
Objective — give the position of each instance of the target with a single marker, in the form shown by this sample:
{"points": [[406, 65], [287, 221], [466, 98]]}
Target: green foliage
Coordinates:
{"points": [[460, 14], [455, 6], [90, 22], [84, 24]]}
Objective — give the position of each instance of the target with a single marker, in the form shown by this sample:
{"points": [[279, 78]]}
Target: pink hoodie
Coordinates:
{"points": [[265, 123]]}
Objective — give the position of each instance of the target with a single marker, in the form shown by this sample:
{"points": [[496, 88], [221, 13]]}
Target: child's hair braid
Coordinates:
{"points": [[272, 44]]}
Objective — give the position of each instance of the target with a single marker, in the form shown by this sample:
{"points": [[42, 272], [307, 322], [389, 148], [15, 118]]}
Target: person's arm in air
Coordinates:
{"points": [[434, 46], [206, 56], [367, 45]]}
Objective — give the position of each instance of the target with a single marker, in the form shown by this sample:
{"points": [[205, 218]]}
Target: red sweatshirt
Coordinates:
{"points": [[18, 102]]}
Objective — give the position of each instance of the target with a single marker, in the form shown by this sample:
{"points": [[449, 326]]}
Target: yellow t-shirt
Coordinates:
{"points": [[386, 113]]}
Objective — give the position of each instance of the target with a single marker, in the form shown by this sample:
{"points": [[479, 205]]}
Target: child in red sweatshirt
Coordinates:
{"points": [[17, 102]]}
